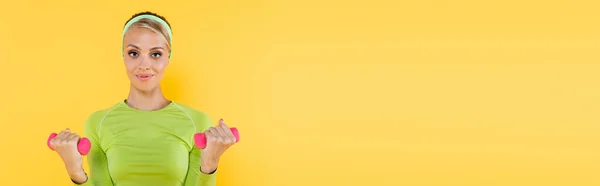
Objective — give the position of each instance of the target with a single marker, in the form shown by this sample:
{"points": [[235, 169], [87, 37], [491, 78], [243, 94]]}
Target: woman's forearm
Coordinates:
{"points": [[76, 173], [209, 165]]}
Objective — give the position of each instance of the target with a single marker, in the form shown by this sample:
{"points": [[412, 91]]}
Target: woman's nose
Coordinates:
{"points": [[144, 68]]}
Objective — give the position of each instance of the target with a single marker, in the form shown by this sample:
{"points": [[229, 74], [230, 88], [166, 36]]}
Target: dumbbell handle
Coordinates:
{"points": [[200, 138], [83, 146]]}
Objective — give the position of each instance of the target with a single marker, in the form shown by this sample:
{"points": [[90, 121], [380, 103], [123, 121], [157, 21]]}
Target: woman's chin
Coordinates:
{"points": [[144, 87]]}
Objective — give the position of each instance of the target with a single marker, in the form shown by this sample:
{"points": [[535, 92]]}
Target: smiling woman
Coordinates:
{"points": [[147, 43], [146, 139]]}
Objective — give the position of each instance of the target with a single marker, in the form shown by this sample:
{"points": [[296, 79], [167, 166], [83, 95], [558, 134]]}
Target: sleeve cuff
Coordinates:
{"points": [[208, 173]]}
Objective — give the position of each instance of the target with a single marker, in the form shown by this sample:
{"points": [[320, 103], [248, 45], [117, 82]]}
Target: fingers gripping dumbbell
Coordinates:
{"points": [[83, 146], [200, 138]]}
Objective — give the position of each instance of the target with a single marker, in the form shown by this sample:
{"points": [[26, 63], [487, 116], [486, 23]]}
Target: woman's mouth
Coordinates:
{"points": [[144, 77]]}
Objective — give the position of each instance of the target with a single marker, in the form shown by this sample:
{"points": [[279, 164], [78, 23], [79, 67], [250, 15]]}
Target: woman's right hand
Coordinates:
{"points": [[65, 144]]}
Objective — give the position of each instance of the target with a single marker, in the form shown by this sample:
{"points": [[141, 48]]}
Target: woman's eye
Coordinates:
{"points": [[133, 54], [156, 54]]}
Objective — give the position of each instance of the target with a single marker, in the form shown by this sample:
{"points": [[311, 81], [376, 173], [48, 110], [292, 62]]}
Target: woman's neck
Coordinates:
{"points": [[150, 100]]}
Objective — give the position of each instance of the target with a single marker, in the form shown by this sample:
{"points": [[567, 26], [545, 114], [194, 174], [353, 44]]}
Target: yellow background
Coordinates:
{"points": [[327, 92]]}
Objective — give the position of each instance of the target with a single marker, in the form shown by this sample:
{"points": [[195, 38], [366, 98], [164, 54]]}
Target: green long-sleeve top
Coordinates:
{"points": [[133, 147]]}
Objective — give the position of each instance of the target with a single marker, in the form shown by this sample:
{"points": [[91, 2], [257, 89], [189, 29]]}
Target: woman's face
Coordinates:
{"points": [[146, 56]]}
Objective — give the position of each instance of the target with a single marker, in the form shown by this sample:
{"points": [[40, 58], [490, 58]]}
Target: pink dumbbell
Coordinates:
{"points": [[200, 138], [83, 146]]}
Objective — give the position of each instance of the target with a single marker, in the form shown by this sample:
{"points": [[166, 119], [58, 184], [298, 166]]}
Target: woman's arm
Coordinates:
{"points": [[195, 177], [65, 144], [203, 163], [206, 161], [99, 175]]}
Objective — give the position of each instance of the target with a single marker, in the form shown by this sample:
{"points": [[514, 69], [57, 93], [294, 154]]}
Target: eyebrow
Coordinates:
{"points": [[131, 45]]}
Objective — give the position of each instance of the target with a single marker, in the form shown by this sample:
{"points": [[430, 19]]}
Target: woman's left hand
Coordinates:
{"points": [[218, 139]]}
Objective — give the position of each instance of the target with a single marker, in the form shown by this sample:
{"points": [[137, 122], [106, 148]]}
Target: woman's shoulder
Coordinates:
{"points": [[192, 112], [94, 119], [102, 112], [200, 119]]}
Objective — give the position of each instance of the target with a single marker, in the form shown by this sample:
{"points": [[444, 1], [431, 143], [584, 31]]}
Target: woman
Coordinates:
{"points": [[146, 139]]}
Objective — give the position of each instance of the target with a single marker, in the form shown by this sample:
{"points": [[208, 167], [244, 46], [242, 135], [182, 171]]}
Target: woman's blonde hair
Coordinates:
{"points": [[152, 25]]}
